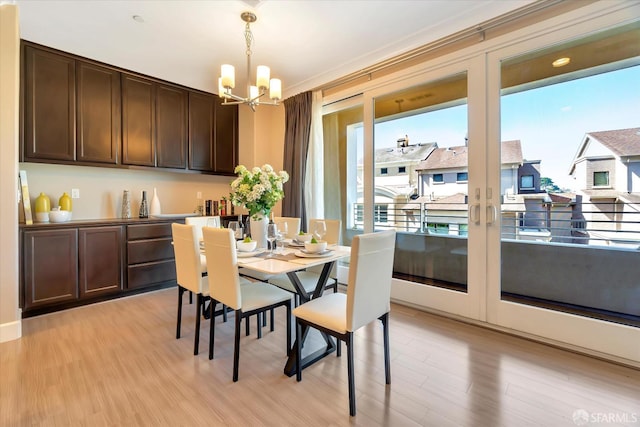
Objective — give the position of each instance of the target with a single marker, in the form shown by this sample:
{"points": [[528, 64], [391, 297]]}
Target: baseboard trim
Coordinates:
{"points": [[10, 331]]}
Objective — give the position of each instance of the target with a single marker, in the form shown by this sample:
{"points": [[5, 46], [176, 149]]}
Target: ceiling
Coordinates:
{"points": [[307, 43]]}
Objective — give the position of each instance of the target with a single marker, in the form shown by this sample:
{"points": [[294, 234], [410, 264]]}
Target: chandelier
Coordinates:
{"points": [[264, 83]]}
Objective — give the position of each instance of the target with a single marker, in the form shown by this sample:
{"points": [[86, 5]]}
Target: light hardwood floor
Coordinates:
{"points": [[119, 364]]}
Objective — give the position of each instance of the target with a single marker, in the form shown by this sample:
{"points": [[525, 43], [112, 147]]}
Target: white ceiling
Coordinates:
{"points": [[305, 42]]}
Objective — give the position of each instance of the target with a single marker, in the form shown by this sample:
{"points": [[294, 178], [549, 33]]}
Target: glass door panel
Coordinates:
{"points": [[421, 179], [570, 177]]}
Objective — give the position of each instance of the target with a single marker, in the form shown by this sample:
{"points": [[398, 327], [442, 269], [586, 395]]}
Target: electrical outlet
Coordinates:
{"points": [[75, 193]]}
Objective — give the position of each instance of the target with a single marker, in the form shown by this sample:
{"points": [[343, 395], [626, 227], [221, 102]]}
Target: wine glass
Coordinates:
{"points": [[236, 228], [282, 234], [272, 235], [319, 230]]}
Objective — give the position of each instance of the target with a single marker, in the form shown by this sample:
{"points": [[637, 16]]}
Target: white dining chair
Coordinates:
{"points": [[367, 299], [224, 287], [293, 225], [190, 271], [202, 221], [309, 277]]}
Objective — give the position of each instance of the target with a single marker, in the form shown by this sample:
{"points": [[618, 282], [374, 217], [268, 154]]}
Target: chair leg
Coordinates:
{"points": [[236, 347], [272, 320], [338, 348], [247, 327], [288, 307], [196, 341], [212, 327], [352, 385], [179, 320], [259, 317], [385, 330], [224, 313], [264, 318], [298, 350], [190, 297]]}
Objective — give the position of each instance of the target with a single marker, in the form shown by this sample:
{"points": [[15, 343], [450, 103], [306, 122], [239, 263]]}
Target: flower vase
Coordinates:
{"points": [[259, 229], [155, 208]]}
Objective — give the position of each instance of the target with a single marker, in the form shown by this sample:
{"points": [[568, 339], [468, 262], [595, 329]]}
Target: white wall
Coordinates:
{"points": [[10, 325]]}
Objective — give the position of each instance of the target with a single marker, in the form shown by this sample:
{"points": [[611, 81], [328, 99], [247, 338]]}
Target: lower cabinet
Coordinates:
{"points": [[150, 257], [50, 267], [69, 266]]}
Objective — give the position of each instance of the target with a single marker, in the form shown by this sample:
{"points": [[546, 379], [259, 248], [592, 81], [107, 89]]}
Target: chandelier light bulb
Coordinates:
{"points": [[221, 90], [228, 78], [275, 91], [254, 92], [263, 77]]}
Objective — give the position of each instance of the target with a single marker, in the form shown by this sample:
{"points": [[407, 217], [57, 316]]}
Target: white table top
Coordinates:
{"points": [[280, 266]]}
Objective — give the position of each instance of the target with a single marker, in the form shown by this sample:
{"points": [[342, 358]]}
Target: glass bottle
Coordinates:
{"points": [[144, 207], [126, 205]]}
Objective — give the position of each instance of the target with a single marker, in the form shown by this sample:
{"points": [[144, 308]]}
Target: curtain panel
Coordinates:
{"points": [[298, 114]]}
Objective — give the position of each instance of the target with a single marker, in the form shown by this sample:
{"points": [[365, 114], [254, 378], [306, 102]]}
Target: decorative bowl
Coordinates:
{"points": [[247, 246], [59, 216], [321, 246], [306, 237]]}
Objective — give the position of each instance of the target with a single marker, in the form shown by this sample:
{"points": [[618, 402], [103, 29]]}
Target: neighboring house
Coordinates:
{"points": [[445, 171], [396, 178], [606, 169]]}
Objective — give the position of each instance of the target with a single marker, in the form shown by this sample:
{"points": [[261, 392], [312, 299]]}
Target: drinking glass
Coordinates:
{"points": [[237, 229], [282, 234], [320, 229], [272, 235]]}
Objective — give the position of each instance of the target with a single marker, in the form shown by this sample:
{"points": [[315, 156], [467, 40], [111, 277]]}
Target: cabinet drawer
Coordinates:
{"points": [[148, 231], [151, 273], [149, 250]]}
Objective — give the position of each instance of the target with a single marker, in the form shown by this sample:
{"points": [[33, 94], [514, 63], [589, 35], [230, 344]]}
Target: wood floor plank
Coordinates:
{"points": [[118, 363]]}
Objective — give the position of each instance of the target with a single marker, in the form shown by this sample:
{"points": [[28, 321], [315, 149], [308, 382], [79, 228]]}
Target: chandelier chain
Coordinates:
{"points": [[248, 37]]}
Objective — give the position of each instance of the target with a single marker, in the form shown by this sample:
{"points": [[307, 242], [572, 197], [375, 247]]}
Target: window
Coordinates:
{"points": [[383, 171], [380, 213], [526, 181], [438, 177], [462, 177], [601, 179], [402, 169], [436, 228]]}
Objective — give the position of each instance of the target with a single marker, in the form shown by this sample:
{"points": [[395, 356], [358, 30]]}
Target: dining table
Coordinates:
{"points": [[291, 260]]}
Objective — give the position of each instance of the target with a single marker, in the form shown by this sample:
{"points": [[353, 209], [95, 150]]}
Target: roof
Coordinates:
{"points": [[622, 142], [458, 157], [405, 154], [612, 194]]}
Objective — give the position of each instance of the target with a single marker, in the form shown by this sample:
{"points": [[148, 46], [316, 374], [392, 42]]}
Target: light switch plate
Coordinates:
{"points": [[75, 193]]}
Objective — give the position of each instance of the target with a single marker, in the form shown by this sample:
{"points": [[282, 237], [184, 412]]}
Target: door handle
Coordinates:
{"points": [[474, 213], [492, 214]]}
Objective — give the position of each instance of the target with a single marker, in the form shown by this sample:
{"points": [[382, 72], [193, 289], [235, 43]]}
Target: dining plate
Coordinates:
{"points": [[295, 243], [303, 253], [250, 254]]}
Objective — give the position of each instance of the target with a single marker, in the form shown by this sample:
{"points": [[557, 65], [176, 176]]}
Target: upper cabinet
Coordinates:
{"points": [[98, 114], [138, 121], [172, 126], [49, 106], [76, 111]]}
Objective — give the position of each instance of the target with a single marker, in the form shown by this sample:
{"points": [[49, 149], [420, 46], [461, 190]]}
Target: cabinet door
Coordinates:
{"points": [[100, 250], [138, 121], [226, 151], [50, 262], [201, 132], [49, 106], [171, 126], [98, 113]]}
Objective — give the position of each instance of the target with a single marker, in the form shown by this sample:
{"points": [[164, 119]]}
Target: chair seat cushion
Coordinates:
{"points": [[328, 311], [260, 294], [263, 277]]}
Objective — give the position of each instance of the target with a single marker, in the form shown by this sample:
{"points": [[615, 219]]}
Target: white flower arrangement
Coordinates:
{"points": [[258, 189]]}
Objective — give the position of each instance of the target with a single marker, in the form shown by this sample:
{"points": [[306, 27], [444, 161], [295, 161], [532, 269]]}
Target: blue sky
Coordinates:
{"points": [[549, 121]]}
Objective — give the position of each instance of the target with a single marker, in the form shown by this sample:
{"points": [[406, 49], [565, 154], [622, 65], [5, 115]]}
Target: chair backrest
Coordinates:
{"points": [[334, 229], [370, 273], [202, 221], [186, 247], [222, 265], [293, 225]]}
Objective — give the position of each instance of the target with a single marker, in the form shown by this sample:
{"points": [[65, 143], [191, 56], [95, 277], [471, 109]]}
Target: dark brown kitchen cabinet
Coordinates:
{"points": [[138, 121], [98, 113], [49, 102], [201, 131], [171, 126], [50, 267], [150, 256], [101, 260], [226, 142]]}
